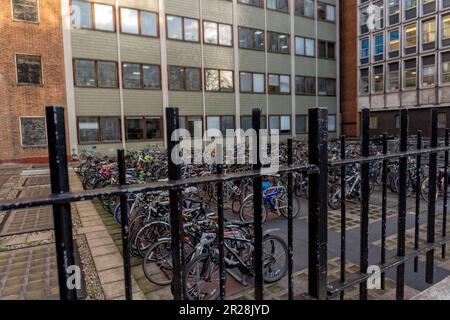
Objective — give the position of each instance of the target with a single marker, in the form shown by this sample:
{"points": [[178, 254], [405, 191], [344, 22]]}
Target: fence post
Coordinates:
{"points": [[290, 222], [365, 197], [318, 205], [124, 224], [220, 216], [257, 203], [343, 215], [176, 206], [57, 155], [445, 204]]}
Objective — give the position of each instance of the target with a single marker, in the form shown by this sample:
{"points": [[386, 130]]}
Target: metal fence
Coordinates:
{"points": [[317, 171]]}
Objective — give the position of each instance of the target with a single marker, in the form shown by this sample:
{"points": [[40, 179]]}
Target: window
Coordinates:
{"points": [[410, 74], [445, 62], [410, 37], [429, 33], [394, 11], [151, 76], [428, 6], [135, 128], [327, 87], [138, 22], [256, 3], [326, 12], [428, 71], [246, 122], [282, 124], [107, 74], [363, 19], [104, 17], [446, 30], [25, 10], [29, 69], [138, 76], [364, 51], [378, 79], [393, 77], [373, 122], [217, 33], [221, 123], [279, 84], [304, 46], [278, 43], [153, 128], [81, 15], [301, 124], [88, 130], [442, 120], [219, 80], [278, 5], [85, 75], [251, 39], [180, 28], [379, 18], [394, 41], [332, 123], [378, 46], [252, 82], [33, 132], [304, 8], [326, 50], [110, 129], [364, 81], [190, 123], [184, 78]]}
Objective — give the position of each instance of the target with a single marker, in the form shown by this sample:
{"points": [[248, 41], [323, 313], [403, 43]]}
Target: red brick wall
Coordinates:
{"points": [[44, 39], [349, 50]]}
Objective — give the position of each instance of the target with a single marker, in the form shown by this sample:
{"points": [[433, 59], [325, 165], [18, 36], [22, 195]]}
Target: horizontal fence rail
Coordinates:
{"points": [[318, 172]]}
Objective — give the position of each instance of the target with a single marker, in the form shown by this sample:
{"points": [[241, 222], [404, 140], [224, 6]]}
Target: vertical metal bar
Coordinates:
{"points": [[343, 215], [258, 202], [432, 197], [124, 223], [62, 219], [444, 210], [176, 206], [318, 207], [401, 238], [417, 187], [384, 209], [221, 224], [365, 198], [290, 223]]}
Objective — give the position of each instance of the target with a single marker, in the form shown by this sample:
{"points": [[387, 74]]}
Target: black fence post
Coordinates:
{"points": [[57, 155], [418, 200], [429, 272], [343, 215], [257, 203], [290, 222], [365, 198], [318, 205], [384, 209], [445, 204], [124, 225], [401, 238], [176, 206], [220, 216]]}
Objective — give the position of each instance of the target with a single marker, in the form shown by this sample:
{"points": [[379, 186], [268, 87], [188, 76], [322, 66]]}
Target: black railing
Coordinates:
{"points": [[317, 171]]}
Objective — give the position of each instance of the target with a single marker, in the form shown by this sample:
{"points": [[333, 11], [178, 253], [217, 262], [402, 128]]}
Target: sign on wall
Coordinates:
{"points": [[33, 131]]}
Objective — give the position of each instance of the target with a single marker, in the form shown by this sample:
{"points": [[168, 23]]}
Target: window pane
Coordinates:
{"points": [[299, 46], [107, 74], [283, 43], [285, 84], [258, 83], [193, 79], [29, 69], [273, 41], [151, 77], [331, 123], [129, 20], [176, 78], [300, 124], [149, 24], [25, 10], [274, 83], [225, 35], [190, 30], [246, 123], [212, 80], [227, 124], [258, 40], [285, 124], [33, 131], [244, 38], [300, 85], [274, 122], [131, 75], [135, 129], [81, 14], [212, 123], [174, 28], [309, 47], [210, 29], [88, 130], [226, 81], [104, 17], [246, 82], [110, 129], [153, 128], [85, 73]]}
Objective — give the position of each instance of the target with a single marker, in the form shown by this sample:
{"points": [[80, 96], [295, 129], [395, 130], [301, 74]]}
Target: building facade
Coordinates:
{"points": [[31, 76], [402, 56]]}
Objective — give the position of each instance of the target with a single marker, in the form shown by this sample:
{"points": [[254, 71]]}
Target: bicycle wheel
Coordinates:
{"points": [[149, 234], [246, 212], [275, 258], [282, 206], [203, 278], [157, 264], [424, 188], [334, 196]]}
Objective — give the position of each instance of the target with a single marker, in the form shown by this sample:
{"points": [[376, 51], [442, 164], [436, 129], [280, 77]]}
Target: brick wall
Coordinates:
{"points": [[44, 39], [349, 50]]}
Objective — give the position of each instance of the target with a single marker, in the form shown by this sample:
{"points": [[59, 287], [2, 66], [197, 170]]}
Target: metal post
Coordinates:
{"points": [[343, 215], [417, 216], [257, 203], [445, 208], [384, 209], [365, 198], [62, 219], [318, 207], [220, 216], [290, 223], [124, 224], [401, 239], [176, 206], [432, 197]]}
